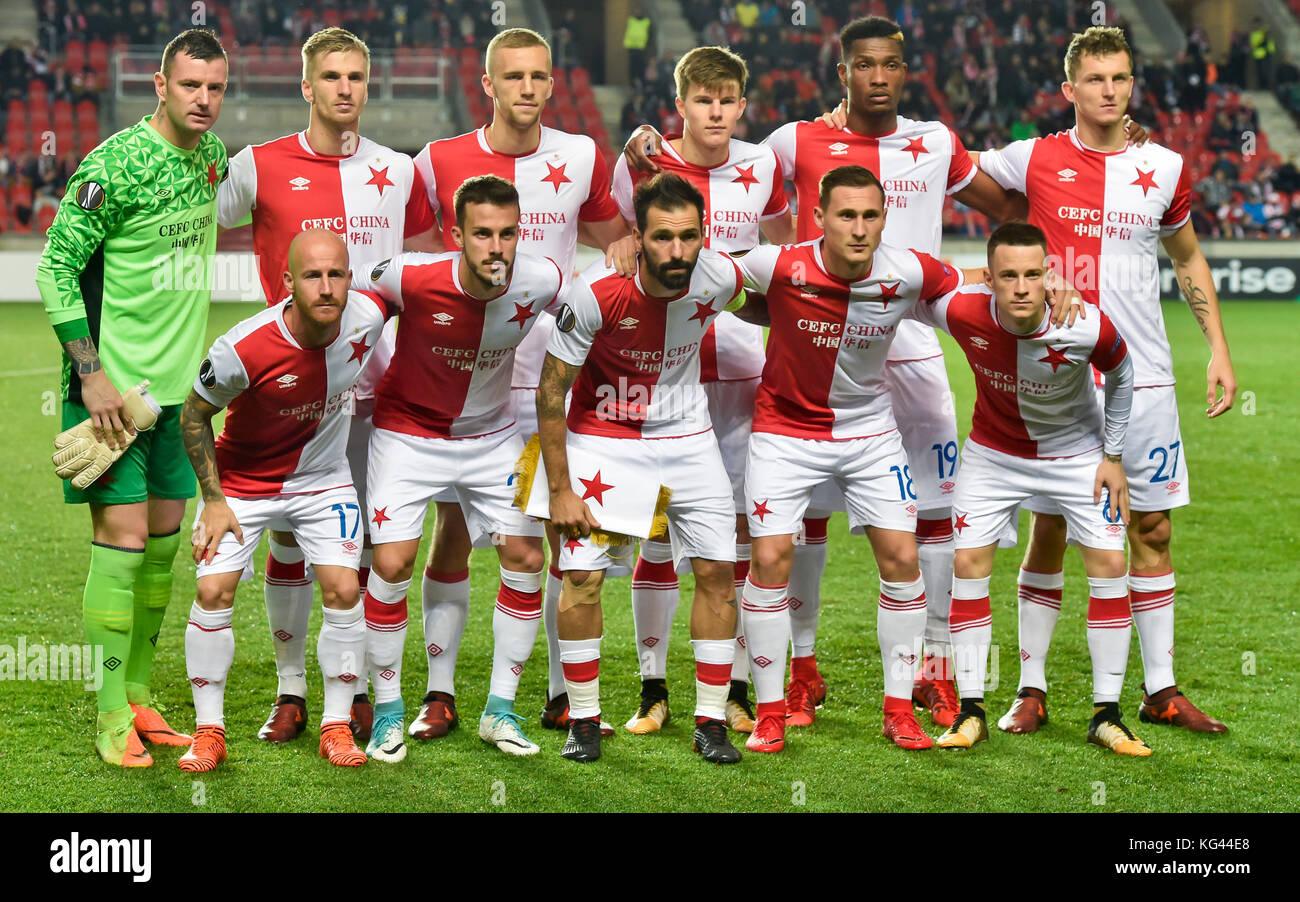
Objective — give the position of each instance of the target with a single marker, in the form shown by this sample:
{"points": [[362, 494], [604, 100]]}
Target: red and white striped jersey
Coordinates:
{"points": [[286, 432], [561, 182], [450, 376], [1034, 393], [739, 194], [640, 355], [918, 163], [829, 339], [1103, 214]]}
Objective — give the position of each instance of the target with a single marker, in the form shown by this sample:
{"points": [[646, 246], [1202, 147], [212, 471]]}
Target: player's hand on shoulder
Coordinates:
{"points": [[108, 415], [837, 118], [1067, 303], [1137, 135], [570, 515], [216, 520], [621, 255], [1111, 478], [645, 143]]}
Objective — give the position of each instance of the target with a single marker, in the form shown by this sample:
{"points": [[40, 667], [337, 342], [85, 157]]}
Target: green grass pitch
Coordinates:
{"points": [[1238, 632]]}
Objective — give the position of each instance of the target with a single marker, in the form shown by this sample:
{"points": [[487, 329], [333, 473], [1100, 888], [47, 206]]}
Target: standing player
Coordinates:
{"points": [[642, 335], [564, 197], [137, 221], [1037, 429], [743, 192], [1103, 207], [327, 176], [287, 375], [823, 413], [919, 163], [443, 421]]}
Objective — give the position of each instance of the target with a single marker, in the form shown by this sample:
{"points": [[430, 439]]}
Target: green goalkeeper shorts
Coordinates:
{"points": [[155, 466]]}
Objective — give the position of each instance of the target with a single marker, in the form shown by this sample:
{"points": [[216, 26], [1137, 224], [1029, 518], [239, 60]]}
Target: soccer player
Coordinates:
{"points": [[443, 421], [287, 375], [327, 176], [1103, 207], [633, 347], [743, 192], [563, 189], [1037, 430], [137, 221], [823, 413], [919, 163]]}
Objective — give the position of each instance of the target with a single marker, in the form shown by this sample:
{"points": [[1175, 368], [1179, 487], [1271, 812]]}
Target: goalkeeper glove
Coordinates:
{"points": [[82, 458]]}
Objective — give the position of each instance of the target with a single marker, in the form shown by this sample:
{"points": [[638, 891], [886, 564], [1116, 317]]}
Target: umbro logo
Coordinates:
{"points": [[628, 322], [977, 342], [1067, 175], [443, 318], [299, 184], [163, 193], [283, 635], [350, 547], [809, 293], [287, 380], [839, 149]]}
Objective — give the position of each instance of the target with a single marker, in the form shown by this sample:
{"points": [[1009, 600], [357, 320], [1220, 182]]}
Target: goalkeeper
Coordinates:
{"points": [[125, 278]]}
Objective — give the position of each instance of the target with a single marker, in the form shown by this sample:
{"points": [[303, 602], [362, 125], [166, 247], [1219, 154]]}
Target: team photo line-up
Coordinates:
{"points": [[445, 351]]}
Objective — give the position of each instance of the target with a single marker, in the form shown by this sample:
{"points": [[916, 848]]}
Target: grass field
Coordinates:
{"points": [[1238, 658]]}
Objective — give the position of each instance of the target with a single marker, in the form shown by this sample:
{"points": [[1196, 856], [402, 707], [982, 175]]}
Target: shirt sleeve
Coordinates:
{"points": [[776, 202], [238, 191], [937, 277], [424, 169], [388, 309], [222, 376], [599, 206], [1009, 167], [419, 214], [622, 188], [1180, 208], [933, 313], [961, 170], [576, 324], [92, 207], [383, 278], [757, 267], [782, 142], [1110, 356]]}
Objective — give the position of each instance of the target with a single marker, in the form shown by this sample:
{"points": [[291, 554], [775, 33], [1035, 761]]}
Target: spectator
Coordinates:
{"points": [[636, 39], [1024, 128], [747, 13], [1215, 189], [1224, 163], [1262, 50]]}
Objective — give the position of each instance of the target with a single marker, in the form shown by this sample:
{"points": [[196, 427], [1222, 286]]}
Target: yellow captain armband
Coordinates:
{"points": [[737, 302]]}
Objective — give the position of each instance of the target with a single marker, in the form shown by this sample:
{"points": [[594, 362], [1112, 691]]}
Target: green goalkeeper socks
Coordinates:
{"points": [[153, 590], [107, 609]]}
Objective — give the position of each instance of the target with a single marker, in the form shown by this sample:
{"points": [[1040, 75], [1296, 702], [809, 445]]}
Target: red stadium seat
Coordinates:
{"points": [[74, 56], [45, 218], [17, 111], [97, 56]]}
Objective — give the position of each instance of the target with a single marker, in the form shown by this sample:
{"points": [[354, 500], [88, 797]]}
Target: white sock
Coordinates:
{"points": [[581, 661], [740, 665], [712, 676], [971, 622], [934, 549], [550, 612], [1153, 615], [767, 634], [1039, 601], [385, 610], [900, 624], [445, 600], [1110, 629], [289, 599], [805, 588], [341, 651], [209, 652], [514, 629], [654, 603]]}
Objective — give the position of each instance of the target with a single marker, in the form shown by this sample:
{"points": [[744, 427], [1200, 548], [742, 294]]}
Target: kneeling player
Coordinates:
{"points": [[287, 375], [1037, 431], [638, 403]]}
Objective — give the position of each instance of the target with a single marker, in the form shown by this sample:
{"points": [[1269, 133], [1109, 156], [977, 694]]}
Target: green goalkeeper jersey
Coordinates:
{"points": [[128, 260]]}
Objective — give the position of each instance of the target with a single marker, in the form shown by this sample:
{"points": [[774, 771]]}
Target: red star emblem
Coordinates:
{"points": [[523, 313], [104, 481], [1146, 179], [379, 178], [888, 293], [556, 176], [703, 312], [594, 488], [359, 349], [916, 146], [746, 177], [212, 173], [760, 510], [960, 523], [1054, 357], [573, 544], [380, 517]]}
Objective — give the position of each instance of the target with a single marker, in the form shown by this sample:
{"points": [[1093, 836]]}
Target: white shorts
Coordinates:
{"points": [[701, 519], [1154, 458], [358, 449], [409, 471], [994, 484], [326, 525], [524, 403], [731, 408], [783, 471], [927, 424]]}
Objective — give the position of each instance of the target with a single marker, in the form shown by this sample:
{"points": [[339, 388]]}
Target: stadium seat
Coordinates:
{"points": [[45, 218], [74, 56], [97, 56]]}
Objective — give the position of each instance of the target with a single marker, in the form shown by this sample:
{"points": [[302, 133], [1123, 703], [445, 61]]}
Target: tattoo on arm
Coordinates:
{"points": [[553, 384], [84, 357], [1198, 302], [1113, 458], [201, 445]]}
